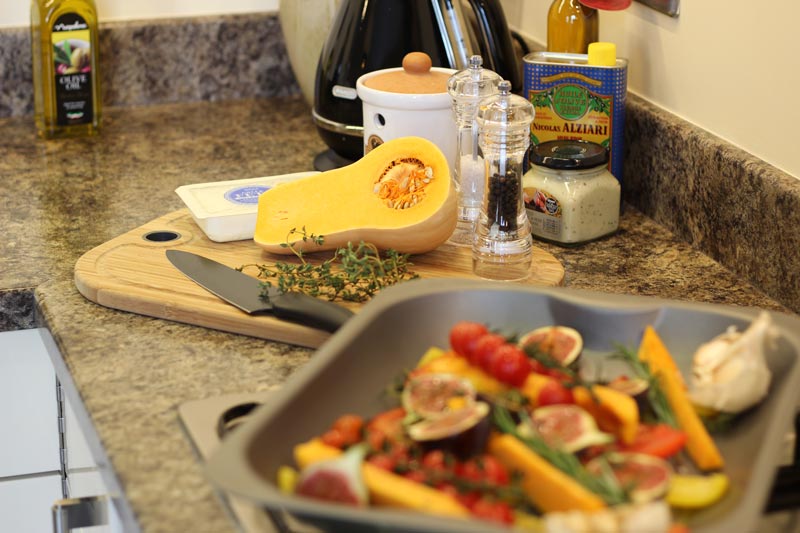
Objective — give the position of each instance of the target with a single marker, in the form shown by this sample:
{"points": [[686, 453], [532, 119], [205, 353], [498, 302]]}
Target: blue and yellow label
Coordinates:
{"points": [[574, 100]]}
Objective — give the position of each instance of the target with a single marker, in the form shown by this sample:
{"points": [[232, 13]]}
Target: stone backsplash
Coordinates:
{"points": [[734, 207], [167, 60]]}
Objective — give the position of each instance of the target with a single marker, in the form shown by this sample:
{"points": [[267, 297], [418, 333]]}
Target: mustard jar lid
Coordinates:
{"points": [[569, 154], [416, 77]]}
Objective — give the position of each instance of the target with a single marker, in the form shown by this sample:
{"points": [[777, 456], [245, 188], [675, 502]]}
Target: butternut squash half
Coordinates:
{"points": [[399, 196]]}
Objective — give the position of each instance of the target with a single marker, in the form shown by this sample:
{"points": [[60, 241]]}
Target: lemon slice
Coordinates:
{"points": [[696, 492]]}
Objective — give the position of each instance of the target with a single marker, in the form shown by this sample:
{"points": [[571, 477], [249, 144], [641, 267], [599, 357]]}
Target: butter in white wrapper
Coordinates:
{"points": [[227, 210]]}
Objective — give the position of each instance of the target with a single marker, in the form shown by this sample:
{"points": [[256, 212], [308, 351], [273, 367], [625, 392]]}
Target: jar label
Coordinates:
{"points": [[246, 195], [544, 212], [72, 55], [575, 100]]}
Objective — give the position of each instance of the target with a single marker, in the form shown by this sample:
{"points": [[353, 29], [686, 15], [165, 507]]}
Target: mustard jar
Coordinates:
{"points": [[570, 196]]}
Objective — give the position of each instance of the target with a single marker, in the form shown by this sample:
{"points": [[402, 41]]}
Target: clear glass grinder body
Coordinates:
{"points": [[502, 248]]}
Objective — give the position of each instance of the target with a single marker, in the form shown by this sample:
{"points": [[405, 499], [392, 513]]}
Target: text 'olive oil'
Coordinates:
{"points": [[66, 80]]}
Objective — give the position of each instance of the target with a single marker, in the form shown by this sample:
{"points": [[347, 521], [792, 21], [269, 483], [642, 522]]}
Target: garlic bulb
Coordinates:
{"points": [[730, 373]]}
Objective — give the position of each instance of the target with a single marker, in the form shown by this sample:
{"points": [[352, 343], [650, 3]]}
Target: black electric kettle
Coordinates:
{"points": [[369, 35]]}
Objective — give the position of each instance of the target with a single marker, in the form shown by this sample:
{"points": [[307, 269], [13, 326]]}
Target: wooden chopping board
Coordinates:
{"points": [[132, 273]]}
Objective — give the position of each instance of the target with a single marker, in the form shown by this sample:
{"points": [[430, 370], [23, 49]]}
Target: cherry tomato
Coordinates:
{"points": [[485, 349], [436, 461], [384, 461], [385, 429], [485, 469], [493, 511], [468, 499], [350, 427], [510, 365], [416, 475], [660, 440], [494, 471], [554, 393], [334, 437], [464, 335]]}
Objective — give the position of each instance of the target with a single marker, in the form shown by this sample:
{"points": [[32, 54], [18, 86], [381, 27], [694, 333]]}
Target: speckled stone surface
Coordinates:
{"points": [[169, 60], [17, 309], [62, 198], [694, 205], [735, 207]]}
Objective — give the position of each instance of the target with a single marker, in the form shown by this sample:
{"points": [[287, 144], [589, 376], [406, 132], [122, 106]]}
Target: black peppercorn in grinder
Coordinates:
{"points": [[369, 35]]}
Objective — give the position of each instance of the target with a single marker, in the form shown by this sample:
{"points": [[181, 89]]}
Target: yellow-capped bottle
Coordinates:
{"points": [[571, 27], [66, 80]]}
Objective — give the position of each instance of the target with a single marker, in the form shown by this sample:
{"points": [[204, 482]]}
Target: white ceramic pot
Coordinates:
{"points": [[389, 115]]}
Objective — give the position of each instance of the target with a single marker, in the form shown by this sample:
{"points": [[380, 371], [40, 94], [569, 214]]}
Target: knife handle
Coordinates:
{"points": [[309, 311]]}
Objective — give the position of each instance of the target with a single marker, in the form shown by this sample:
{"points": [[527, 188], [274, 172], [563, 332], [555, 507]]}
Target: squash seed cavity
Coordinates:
{"points": [[402, 184]]}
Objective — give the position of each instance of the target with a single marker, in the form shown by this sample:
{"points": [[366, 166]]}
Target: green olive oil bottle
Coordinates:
{"points": [[66, 80]]}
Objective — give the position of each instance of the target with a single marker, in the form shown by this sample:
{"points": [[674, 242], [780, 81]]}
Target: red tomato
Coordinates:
{"points": [[383, 460], [333, 437], [554, 393], [386, 428], [436, 461], [416, 475], [486, 348], [485, 469], [464, 335], [468, 499], [510, 365], [493, 511], [350, 427], [660, 440]]}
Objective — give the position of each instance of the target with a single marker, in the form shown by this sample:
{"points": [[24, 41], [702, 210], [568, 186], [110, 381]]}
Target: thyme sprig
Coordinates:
{"points": [[656, 397], [355, 273], [604, 485]]}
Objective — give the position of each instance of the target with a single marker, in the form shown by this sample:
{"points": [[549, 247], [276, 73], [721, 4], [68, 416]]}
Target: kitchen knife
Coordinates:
{"points": [[244, 292]]}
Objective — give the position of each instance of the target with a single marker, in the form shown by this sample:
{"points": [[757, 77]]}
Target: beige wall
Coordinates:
{"points": [[16, 12], [729, 66]]}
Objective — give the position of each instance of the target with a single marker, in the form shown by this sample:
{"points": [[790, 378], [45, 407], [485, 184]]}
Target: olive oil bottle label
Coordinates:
{"points": [[73, 70]]}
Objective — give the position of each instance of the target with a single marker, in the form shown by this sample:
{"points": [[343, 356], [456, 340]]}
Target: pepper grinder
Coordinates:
{"points": [[503, 247], [467, 87]]}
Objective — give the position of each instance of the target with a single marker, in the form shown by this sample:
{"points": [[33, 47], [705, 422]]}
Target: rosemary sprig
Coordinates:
{"points": [[353, 274], [604, 485], [655, 394]]}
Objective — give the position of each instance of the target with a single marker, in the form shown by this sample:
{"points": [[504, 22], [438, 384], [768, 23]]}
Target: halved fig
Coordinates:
{"points": [[436, 395], [562, 343], [567, 427], [644, 477], [450, 424], [634, 387]]}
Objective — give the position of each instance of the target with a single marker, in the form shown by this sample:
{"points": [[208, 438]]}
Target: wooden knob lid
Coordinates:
{"points": [[417, 63]]}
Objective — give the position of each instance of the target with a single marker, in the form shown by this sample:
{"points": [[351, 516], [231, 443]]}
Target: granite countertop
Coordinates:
{"points": [[62, 198]]}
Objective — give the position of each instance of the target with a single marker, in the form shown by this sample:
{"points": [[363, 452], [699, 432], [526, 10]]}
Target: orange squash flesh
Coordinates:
{"points": [[699, 444], [547, 487], [350, 204]]}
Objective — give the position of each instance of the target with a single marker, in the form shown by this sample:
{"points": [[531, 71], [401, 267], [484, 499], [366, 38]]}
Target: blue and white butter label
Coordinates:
{"points": [[245, 195]]}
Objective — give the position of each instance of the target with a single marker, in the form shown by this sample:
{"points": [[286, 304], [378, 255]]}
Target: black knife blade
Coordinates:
{"points": [[244, 291]]}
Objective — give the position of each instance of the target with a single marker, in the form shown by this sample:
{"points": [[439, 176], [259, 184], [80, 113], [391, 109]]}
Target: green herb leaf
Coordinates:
{"points": [[353, 274], [655, 393]]}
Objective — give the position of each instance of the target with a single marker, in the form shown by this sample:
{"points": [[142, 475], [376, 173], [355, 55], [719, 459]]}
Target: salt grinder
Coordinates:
{"points": [[503, 248], [467, 87]]}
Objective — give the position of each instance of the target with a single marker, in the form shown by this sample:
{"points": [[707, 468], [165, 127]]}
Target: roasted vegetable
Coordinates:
{"points": [[700, 446]]}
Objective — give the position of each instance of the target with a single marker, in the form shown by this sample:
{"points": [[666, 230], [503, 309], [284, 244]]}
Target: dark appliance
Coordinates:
{"points": [[369, 35]]}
